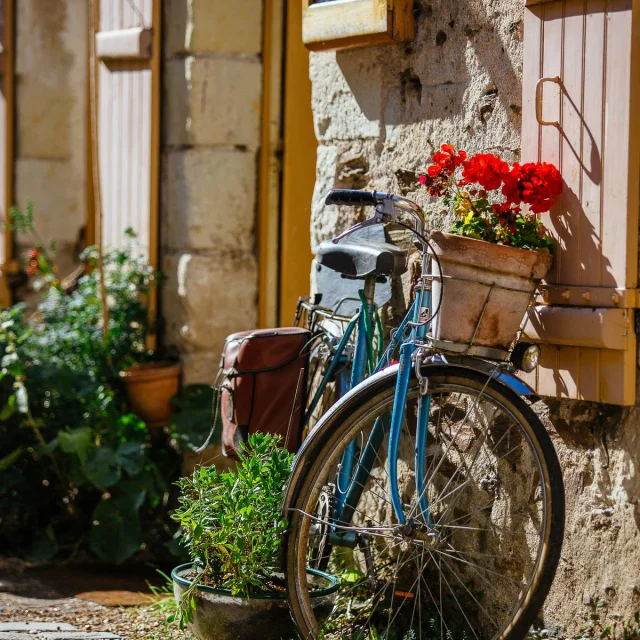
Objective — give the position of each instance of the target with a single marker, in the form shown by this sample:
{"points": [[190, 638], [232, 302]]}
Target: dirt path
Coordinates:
{"points": [[25, 599]]}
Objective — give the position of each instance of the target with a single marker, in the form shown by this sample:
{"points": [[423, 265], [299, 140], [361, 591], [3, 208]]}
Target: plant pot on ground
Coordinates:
{"points": [[232, 524], [496, 251], [220, 615], [150, 387]]}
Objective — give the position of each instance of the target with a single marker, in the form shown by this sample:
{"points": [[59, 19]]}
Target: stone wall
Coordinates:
{"points": [[211, 114], [51, 121], [379, 115]]}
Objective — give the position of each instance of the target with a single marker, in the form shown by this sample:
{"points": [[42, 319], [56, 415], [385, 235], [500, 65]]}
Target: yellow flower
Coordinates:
{"points": [[469, 217], [464, 205]]}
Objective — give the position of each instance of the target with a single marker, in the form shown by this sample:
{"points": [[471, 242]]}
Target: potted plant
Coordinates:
{"points": [[231, 525], [496, 250], [79, 476], [124, 280], [150, 382]]}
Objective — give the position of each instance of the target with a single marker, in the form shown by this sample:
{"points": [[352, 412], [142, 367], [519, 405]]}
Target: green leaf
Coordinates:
{"points": [[9, 460], [44, 547], [102, 468], [49, 448], [9, 408], [117, 534], [134, 493], [76, 441], [131, 457]]}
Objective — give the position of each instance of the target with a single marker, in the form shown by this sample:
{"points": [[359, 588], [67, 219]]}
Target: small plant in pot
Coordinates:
{"points": [[231, 524], [125, 281], [496, 251]]}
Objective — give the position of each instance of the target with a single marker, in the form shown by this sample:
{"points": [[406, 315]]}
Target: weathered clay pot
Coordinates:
{"points": [[150, 386], [478, 273], [221, 616]]}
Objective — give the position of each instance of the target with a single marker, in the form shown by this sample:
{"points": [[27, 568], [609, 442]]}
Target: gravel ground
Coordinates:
{"points": [[24, 599], [137, 623]]}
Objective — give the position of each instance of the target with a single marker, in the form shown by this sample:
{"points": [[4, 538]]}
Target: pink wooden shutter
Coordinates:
{"points": [[128, 49], [580, 112]]}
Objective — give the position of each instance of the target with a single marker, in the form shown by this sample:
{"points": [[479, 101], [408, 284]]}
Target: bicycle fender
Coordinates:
{"points": [[507, 378]]}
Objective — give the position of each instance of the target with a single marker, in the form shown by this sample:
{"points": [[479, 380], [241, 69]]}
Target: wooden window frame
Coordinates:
{"points": [[344, 24]]}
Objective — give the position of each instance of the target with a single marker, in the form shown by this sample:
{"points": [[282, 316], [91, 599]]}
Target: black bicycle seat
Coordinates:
{"points": [[362, 258]]}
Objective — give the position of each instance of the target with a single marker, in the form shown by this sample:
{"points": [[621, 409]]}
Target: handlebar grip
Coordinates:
{"points": [[352, 197]]}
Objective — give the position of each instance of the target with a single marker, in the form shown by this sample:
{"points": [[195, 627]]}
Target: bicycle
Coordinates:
{"points": [[451, 520], [343, 349]]}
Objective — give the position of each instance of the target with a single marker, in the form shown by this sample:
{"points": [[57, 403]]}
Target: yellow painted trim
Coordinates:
{"points": [[356, 23], [8, 82], [154, 197], [299, 171], [268, 215], [90, 223]]}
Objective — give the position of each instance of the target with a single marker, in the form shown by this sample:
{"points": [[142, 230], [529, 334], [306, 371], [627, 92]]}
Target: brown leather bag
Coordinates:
{"points": [[263, 385]]}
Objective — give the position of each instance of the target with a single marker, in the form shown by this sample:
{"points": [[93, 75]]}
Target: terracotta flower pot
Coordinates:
{"points": [[487, 290], [150, 386]]}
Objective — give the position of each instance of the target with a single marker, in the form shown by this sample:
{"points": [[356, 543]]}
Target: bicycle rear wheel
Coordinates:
{"points": [[479, 565]]}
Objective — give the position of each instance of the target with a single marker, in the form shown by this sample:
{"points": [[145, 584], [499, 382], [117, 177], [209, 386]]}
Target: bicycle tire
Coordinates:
{"points": [[339, 426]]}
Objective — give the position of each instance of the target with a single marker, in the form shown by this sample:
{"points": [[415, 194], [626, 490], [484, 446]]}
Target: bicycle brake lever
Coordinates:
{"points": [[384, 208]]}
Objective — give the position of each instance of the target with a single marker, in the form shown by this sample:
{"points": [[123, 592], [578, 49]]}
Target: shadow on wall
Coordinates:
{"points": [[427, 79]]}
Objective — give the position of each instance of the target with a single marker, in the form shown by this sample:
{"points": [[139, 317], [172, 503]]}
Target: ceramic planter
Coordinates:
{"points": [[486, 290], [222, 616], [150, 386]]}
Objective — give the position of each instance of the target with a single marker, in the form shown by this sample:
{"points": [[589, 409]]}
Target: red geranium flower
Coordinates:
{"points": [[33, 267], [537, 184], [504, 208], [445, 161], [485, 169]]}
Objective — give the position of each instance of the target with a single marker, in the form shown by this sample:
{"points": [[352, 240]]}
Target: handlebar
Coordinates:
{"points": [[384, 204], [355, 197]]}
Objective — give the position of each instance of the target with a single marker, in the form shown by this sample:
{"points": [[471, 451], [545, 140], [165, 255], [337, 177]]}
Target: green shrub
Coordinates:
{"points": [[78, 471], [231, 521]]}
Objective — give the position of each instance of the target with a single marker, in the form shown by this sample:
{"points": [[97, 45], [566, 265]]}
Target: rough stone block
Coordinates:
{"points": [[205, 298], [209, 199], [43, 119], [58, 196], [200, 367], [210, 101], [346, 97], [213, 26], [52, 76], [36, 626]]}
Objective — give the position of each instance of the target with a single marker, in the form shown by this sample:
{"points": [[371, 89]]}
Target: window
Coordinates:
{"points": [[342, 24]]}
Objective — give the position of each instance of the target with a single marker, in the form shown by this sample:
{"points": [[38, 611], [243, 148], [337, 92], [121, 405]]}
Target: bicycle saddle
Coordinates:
{"points": [[362, 258]]}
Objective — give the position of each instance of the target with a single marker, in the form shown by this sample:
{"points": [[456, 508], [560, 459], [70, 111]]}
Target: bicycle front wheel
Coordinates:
{"points": [[478, 564]]}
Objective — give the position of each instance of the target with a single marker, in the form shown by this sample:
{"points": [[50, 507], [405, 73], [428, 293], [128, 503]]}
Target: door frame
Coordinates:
{"points": [[287, 166]]}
